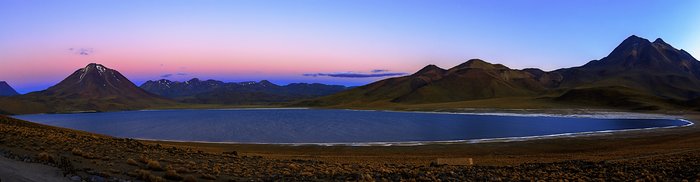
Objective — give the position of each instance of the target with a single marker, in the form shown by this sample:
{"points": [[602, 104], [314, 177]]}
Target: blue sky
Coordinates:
{"points": [[282, 41]]}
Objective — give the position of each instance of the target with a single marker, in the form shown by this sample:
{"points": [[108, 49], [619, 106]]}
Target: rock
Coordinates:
{"points": [[76, 178]]}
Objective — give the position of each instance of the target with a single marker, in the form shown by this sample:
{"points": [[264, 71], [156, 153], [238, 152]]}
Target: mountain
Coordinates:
{"points": [[653, 68], [6, 90], [472, 80], [638, 74], [218, 92], [92, 88], [174, 89]]}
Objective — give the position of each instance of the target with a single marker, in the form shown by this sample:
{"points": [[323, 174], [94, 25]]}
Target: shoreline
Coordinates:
{"points": [[579, 113], [597, 147], [420, 143], [665, 153]]}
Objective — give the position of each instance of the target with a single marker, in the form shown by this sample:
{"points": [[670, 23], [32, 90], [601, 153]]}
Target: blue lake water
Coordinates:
{"points": [[328, 126]]}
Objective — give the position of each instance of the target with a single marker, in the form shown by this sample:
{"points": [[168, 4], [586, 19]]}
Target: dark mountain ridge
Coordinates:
{"points": [[655, 68], [218, 92], [636, 74], [92, 88], [7, 90]]}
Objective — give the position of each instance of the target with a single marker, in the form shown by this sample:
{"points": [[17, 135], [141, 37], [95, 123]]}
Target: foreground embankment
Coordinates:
{"points": [[660, 154]]}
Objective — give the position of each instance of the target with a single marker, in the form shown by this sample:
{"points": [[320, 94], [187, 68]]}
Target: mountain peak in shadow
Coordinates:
{"points": [[7, 90], [478, 63], [655, 67], [429, 69]]}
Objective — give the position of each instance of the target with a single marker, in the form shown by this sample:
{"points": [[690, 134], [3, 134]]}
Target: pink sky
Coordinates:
{"points": [[282, 40]]}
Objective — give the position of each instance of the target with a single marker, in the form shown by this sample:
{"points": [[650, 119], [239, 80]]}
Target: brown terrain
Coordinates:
{"points": [[659, 154]]}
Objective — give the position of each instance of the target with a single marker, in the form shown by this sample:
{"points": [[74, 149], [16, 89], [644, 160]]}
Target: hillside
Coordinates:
{"points": [[638, 74]]}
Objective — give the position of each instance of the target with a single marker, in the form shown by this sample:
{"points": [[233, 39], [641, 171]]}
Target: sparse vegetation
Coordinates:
{"points": [[189, 178], [208, 176], [173, 175], [118, 158], [154, 165], [43, 156], [132, 162], [77, 152]]}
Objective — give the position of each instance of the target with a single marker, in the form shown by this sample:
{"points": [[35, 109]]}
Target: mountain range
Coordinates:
{"points": [[6, 89], [638, 74], [92, 88], [218, 92]]}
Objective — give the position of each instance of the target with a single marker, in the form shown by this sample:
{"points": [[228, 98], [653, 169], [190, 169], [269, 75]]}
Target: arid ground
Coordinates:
{"points": [[659, 154]]}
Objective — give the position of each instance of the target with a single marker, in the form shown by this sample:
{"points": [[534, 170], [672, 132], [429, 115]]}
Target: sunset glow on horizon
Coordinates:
{"points": [[42, 42]]}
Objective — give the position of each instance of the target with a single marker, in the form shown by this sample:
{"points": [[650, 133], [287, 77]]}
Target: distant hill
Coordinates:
{"points": [[474, 79], [6, 90], [638, 74], [218, 92], [92, 88]]}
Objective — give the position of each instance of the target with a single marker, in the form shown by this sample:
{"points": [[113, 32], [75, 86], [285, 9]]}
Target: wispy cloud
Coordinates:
{"points": [[373, 73], [172, 74], [81, 51]]}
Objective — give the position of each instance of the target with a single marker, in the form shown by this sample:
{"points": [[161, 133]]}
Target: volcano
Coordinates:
{"points": [[92, 88]]}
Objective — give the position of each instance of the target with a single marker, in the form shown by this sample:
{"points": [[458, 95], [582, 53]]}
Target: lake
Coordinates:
{"points": [[298, 126]]}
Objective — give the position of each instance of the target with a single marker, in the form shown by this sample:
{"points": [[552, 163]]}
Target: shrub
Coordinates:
{"points": [[154, 178], [216, 169], [77, 152], [208, 176], [143, 159], [233, 153], [154, 165], [168, 167], [132, 162], [189, 178], [147, 176], [172, 175], [43, 156], [143, 174], [183, 170]]}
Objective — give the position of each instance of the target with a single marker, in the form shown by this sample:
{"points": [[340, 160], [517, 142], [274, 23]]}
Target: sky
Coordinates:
{"points": [[347, 42]]}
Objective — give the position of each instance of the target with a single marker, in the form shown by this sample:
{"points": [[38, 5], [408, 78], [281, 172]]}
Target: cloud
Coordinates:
{"points": [[374, 73], [82, 51], [173, 74]]}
